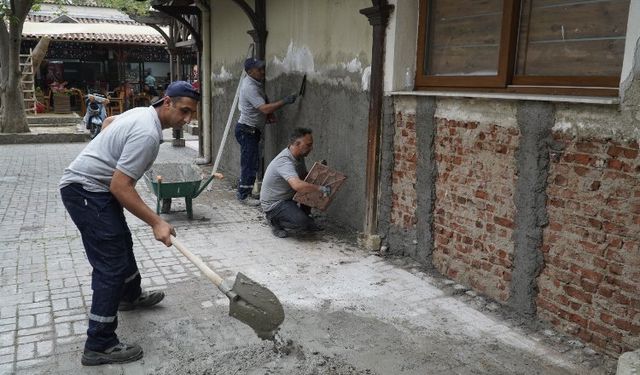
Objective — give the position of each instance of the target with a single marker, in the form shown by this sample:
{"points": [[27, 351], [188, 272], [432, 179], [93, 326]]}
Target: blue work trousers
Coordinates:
{"points": [[290, 215], [249, 139], [109, 248]]}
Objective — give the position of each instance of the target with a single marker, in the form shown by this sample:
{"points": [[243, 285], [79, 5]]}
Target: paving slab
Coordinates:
{"points": [[348, 311]]}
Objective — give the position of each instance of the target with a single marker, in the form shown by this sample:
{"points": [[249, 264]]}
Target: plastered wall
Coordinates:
{"points": [[330, 42]]}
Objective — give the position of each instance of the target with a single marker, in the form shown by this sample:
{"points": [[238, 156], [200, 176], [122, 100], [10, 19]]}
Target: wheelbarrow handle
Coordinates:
{"points": [[214, 277], [204, 185]]}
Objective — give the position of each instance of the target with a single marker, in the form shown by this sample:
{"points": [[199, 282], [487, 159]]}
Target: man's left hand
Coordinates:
{"points": [[325, 190]]}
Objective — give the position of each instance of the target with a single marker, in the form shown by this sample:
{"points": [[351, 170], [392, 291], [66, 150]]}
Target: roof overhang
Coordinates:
{"points": [[110, 33]]}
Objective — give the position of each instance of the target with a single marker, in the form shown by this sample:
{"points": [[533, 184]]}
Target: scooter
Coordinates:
{"points": [[96, 113]]}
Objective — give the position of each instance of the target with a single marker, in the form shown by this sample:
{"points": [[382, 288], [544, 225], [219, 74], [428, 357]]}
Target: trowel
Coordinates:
{"points": [[303, 86], [249, 302]]}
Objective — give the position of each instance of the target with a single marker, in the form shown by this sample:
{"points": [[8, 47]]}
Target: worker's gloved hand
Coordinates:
{"points": [[290, 99], [325, 190]]}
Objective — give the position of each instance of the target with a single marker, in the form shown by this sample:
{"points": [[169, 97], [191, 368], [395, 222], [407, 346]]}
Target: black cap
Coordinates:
{"points": [[251, 63], [182, 88]]}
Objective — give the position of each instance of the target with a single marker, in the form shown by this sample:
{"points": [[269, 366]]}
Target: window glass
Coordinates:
{"points": [[571, 37], [463, 37]]}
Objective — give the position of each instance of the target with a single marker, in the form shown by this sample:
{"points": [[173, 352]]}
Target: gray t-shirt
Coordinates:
{"points": [[275, 187], [130, 144], [252, 96]]}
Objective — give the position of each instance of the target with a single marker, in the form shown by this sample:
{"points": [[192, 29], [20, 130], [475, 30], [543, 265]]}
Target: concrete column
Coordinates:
{"points": [[535, 120], [426, 175], [205, 121]]}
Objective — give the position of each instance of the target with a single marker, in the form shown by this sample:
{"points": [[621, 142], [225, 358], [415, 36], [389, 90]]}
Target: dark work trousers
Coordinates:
{"points": [[107, 242], [249, 139], [288, 215]]}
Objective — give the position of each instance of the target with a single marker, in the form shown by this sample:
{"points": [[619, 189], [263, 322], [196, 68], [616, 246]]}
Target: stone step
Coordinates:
{"points": [[192, 129], [48, 119], [22, 138]]}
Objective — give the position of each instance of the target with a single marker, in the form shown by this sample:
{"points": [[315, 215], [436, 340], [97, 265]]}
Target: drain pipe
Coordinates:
{"points": [[378, 16], [206, 63]]}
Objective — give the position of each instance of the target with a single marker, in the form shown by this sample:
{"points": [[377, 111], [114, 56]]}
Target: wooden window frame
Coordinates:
{"points": [[505, 80]]}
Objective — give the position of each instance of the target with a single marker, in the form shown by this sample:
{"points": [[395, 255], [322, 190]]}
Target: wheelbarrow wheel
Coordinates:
{"points": [[166, 205]]}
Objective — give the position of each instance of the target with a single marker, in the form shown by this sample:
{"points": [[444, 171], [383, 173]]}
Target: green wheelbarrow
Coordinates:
{"points": [[175, 180]]}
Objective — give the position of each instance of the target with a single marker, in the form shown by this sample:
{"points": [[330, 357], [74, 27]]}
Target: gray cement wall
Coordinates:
{"points": [[338, 116], [386, 169], [535, 120], [330, 42], [426, 177]]}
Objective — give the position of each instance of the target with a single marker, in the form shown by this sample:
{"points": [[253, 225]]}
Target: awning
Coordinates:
{"points": [[94, 32]]}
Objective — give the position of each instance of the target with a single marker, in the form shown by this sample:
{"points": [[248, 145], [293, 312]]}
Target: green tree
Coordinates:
{"points": [[12, 16]]}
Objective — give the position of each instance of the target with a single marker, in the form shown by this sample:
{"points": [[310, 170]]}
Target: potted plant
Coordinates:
{"points": [[61, 97]]}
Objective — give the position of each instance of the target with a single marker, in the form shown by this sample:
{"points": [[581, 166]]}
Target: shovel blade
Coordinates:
{"points": [[256, 306]]}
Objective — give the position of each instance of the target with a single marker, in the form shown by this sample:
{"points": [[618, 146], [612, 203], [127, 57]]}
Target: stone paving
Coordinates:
{"points": [[379, 315]]}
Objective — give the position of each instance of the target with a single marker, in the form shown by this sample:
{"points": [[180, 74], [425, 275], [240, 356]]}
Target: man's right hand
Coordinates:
{"points": [[290, 99], [162, 231]]}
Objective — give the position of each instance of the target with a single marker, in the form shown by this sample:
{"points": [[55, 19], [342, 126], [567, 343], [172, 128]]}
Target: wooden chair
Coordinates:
{"points": [[116, 104], [142, 100]]}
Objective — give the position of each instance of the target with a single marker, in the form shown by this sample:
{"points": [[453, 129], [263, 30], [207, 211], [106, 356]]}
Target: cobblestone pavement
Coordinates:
{"points": [[348, 311]]}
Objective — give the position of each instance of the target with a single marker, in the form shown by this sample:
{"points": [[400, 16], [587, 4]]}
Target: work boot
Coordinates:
{"points": [[120, 353], [248, 201], [315, 227], [279, 232], [146, 299]]}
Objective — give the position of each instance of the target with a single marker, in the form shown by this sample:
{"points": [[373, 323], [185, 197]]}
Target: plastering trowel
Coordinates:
{"points": [[249, 302]]}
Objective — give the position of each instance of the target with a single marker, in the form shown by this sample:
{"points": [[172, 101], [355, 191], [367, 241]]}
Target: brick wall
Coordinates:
{"points": [[473, 221], [403, 189], [590, 286]]}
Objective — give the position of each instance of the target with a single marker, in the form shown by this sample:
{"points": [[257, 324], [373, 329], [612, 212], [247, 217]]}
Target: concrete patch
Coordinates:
{"points": [[629, 363]]}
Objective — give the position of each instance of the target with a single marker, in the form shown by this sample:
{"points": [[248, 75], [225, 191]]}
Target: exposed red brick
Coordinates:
{"points": [[606, 318], [560, 180], [503, 222], [577, 294], [600, 263], [577, 319], [609, 333], [481, 194], [583, 159], [588, 286], [626, 325], [615, 151], [615, 269], [587, 147], [581, 171], [615, 164]]}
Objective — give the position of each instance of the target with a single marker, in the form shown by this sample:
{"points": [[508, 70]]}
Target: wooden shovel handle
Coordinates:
{"points": [[197, 262]]}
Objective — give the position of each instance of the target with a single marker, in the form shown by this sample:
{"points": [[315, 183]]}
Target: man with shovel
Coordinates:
{"points": [[95, 188], [254, 108], [282, 179]]}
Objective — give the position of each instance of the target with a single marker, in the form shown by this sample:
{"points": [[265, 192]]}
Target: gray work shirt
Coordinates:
{"points": [[130, 144], [275, 187], [252, 96]]}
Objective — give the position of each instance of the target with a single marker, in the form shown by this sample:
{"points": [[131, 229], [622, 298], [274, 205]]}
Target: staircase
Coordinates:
{"points": [[28, 83]]}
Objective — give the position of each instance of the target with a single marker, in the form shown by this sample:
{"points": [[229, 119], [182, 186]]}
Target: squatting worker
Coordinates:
{"points": [[94, 189], [282, 179], [254, 108]]}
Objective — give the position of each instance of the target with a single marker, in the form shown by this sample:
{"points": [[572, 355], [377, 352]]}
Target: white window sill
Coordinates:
{"points": [[511, 96]]}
